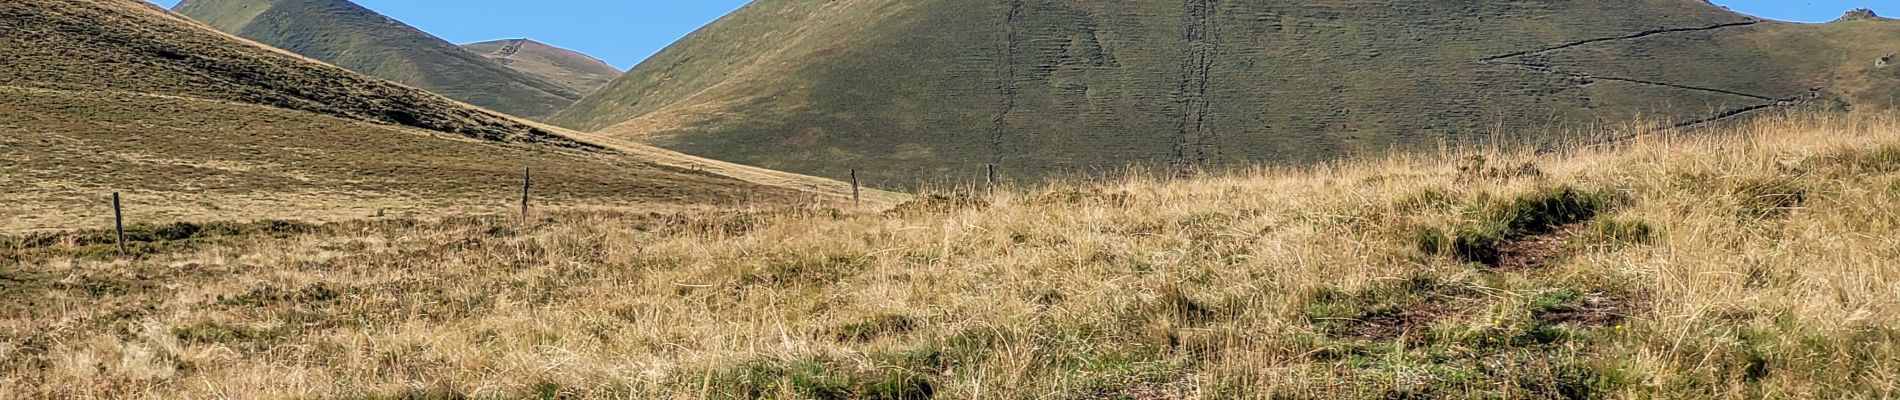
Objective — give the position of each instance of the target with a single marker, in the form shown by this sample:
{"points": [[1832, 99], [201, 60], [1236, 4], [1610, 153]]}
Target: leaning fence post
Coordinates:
{"points": [[856, 198], [118, 222], [527, 179]]}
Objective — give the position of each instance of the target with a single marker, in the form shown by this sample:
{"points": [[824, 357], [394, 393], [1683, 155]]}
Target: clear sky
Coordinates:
{"points": [[624, 32], [1809, 10]]}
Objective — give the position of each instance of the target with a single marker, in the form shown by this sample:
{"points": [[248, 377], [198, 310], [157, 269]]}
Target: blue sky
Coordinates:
{"points": [[624, 32]]}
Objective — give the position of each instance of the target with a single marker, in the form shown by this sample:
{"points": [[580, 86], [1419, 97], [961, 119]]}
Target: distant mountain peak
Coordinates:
{"points": [[343, 33], [1860, 14], [574, 70]]}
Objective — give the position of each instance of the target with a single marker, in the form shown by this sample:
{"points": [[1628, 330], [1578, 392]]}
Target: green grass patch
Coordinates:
{"points": [[235, 335], [875, 327], [271, 295], [801, 270], [1496, 222], [1620, 232], [818, 378], [1384, 310], [1883, 159], [1769, 197], [1534, 341], [1428, 199]]}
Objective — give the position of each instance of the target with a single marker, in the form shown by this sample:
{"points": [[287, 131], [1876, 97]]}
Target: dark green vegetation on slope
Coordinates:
{"points": [[570, 69], [343, 33], [923, 90], [116, 95]]}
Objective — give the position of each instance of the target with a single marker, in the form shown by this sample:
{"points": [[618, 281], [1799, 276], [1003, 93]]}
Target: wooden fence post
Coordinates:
{"points": [[989, 178], [118, 222], [856, 198], [527, 179]]}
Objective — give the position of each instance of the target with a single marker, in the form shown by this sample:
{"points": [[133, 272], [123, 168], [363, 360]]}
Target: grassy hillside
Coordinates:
{"points": [[192, 124], [577, 72], [1756, 262], [928, 90], [347, 35], [142, 50]]}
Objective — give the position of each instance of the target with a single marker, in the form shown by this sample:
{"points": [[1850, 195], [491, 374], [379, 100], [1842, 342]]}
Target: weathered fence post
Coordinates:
{"points": [[856, 198], [989, 178], [118, 222], [527, 179]]}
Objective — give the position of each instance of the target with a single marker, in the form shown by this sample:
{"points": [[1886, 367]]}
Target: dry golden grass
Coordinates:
{"points": [[1756, 262]]}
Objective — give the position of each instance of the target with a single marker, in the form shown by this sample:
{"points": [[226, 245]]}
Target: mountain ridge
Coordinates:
{"points": [[343, 33]]}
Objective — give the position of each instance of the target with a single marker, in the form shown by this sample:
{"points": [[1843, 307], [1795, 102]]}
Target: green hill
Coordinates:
{"points": [[570, 69], [926, 90], [347, 35], [107, 96]]}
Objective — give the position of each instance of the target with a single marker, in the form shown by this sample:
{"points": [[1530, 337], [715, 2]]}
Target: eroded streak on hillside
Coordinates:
{"points": [[1012, 42], [1726, 114], [1197, 144], [1739, 111], [1633, 36], [1585, 79]]}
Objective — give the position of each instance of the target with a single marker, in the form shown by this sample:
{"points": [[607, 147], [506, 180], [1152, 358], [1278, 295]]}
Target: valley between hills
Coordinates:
{"points": [[937, 199]]}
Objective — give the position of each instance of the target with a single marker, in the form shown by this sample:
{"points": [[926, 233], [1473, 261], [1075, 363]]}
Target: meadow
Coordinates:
{"points": [[1753, 261]]}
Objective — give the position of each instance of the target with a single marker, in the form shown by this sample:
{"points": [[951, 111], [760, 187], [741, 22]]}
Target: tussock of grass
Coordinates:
{"points": [[1656, 278], [941, 203], [1542, 211], [1620, 232], [1769, 197]]}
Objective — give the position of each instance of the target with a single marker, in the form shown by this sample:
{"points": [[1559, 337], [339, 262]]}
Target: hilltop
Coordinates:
{"points": [[345, 34], [1754, 262], [930, 90], [570, 69], [118, 96]]}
